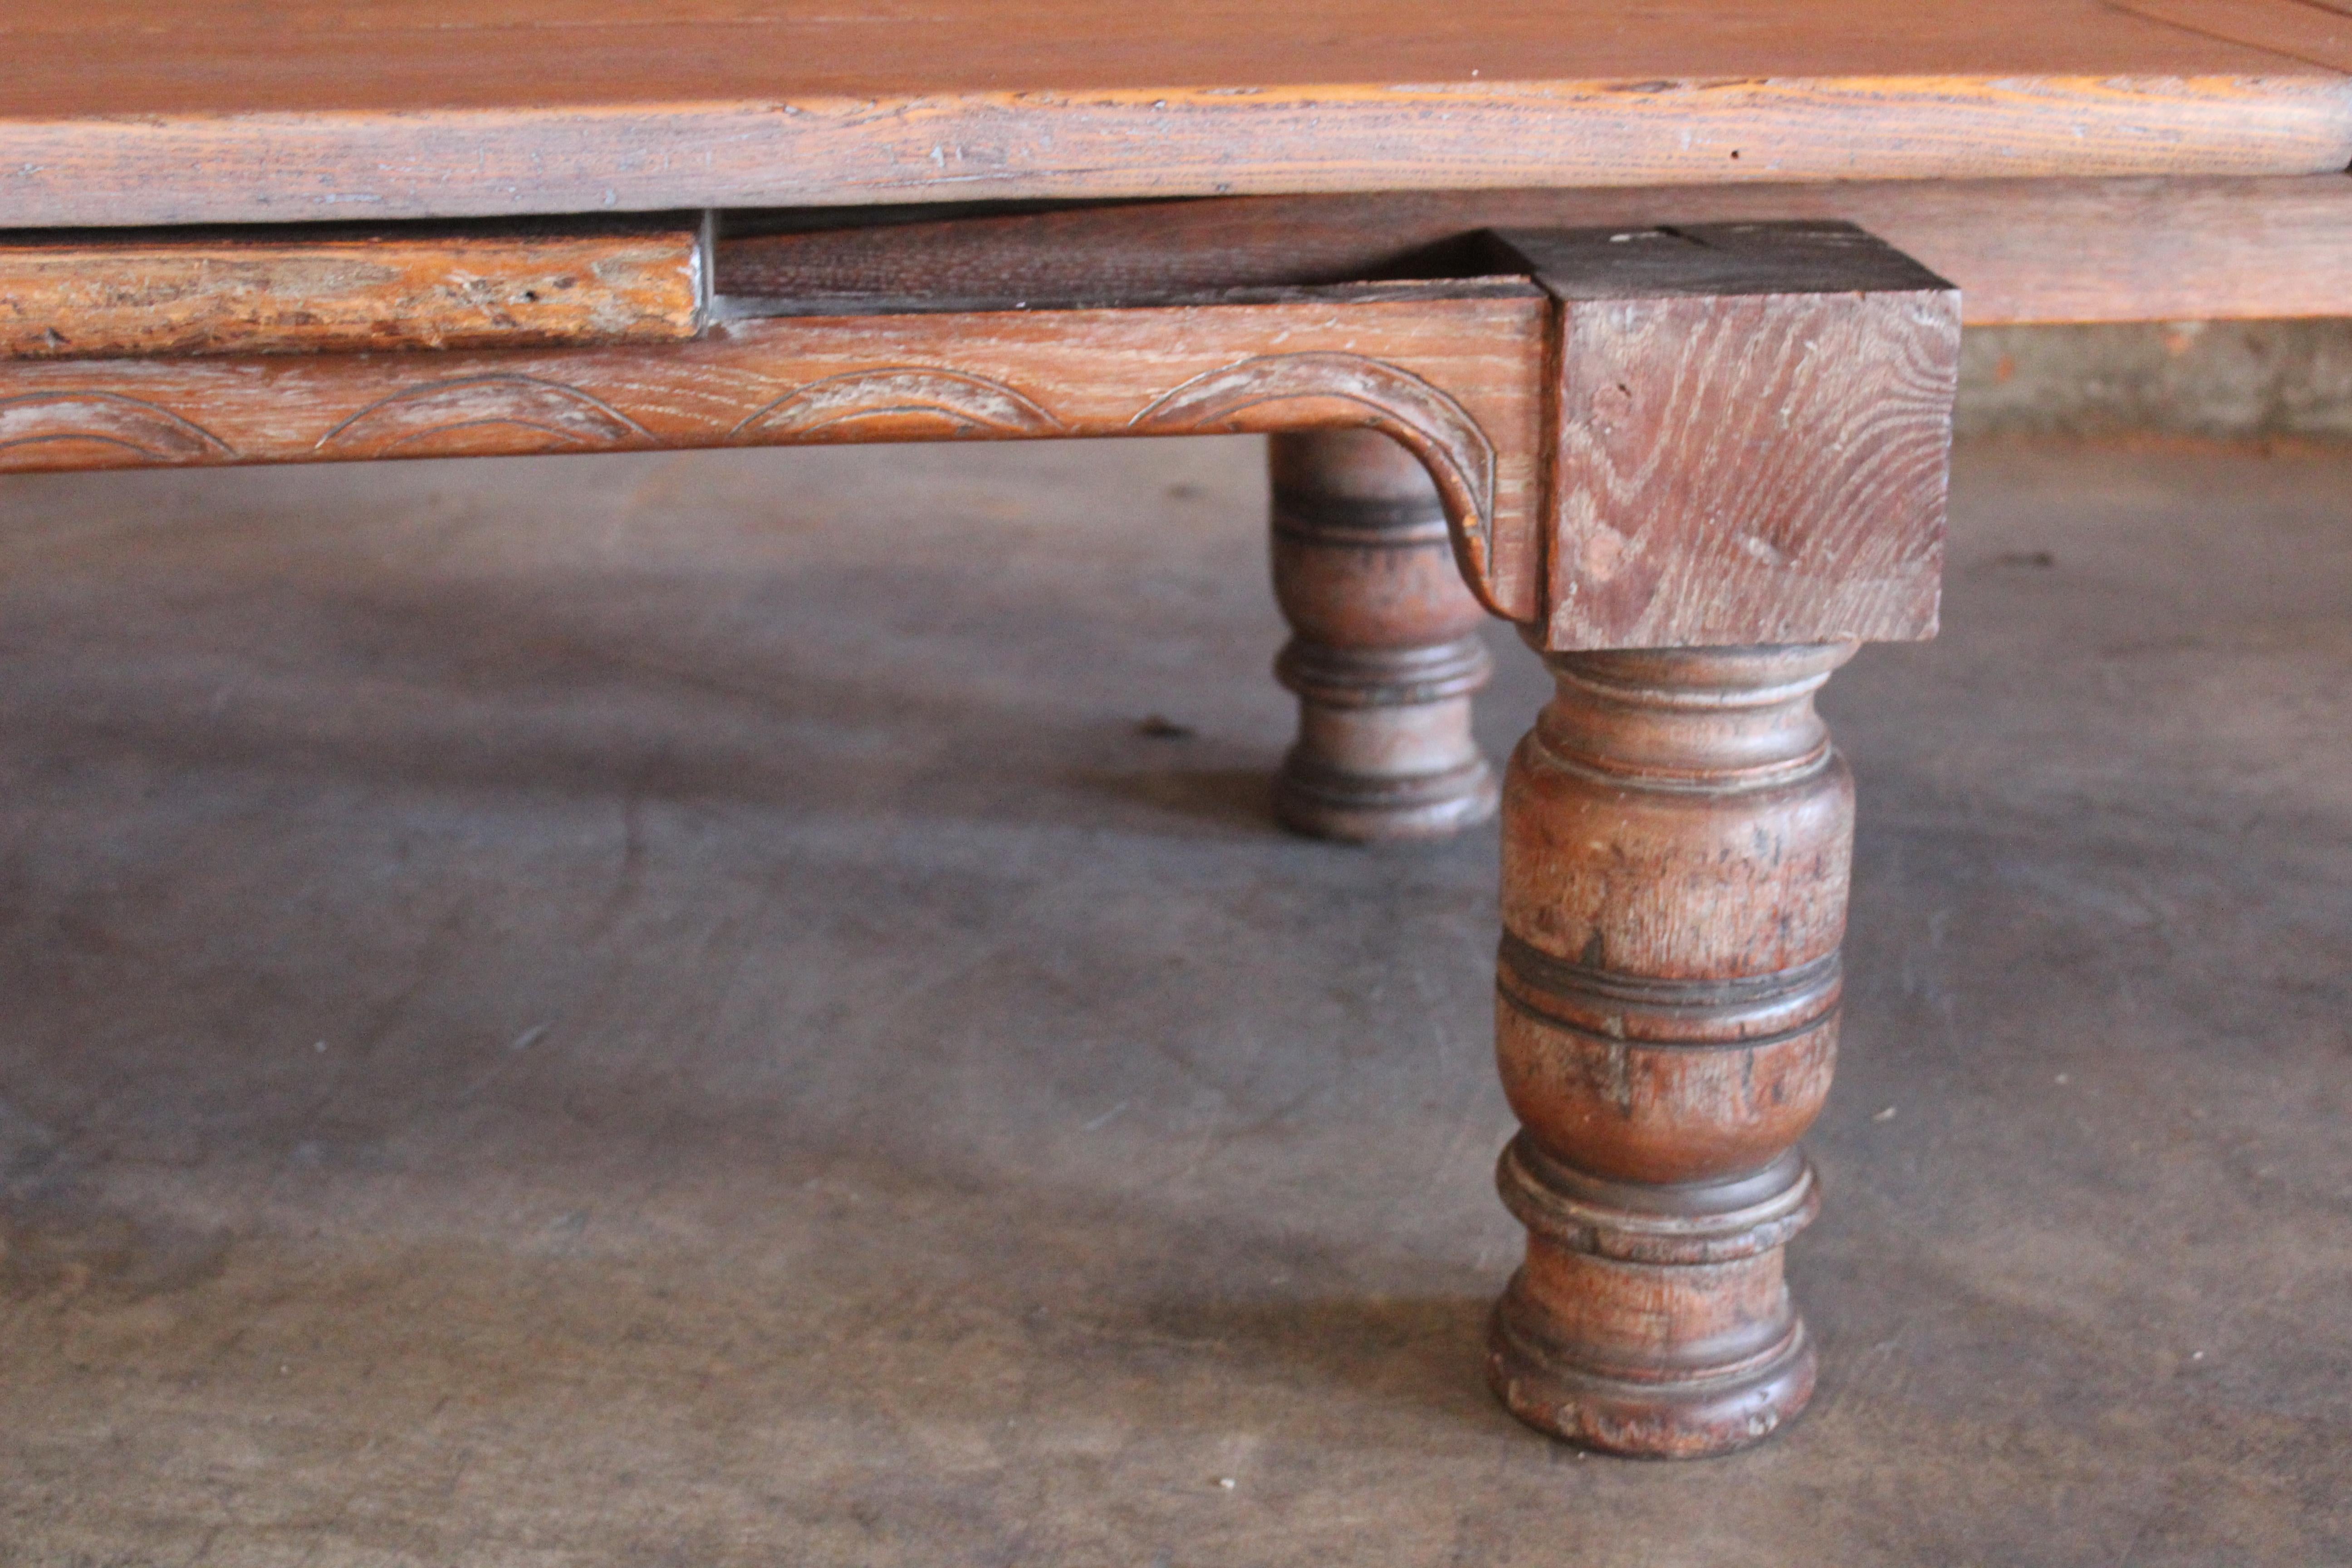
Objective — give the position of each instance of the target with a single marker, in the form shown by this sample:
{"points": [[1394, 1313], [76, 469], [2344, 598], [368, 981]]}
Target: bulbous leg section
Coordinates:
{"points": [[1676, 835], [1384, 653]]}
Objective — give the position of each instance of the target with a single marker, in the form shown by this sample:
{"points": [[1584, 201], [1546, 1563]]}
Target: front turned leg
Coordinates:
{"points": [[1384, 652], [1676, 833]]}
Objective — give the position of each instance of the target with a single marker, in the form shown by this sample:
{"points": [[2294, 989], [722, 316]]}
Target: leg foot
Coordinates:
{"points": [[1384, 654], [1676, 834]]}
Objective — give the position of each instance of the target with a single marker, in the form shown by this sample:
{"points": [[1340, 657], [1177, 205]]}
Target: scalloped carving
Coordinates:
{"points": [[922, 400], [1439, 431], [108, 418], [457, 417]]}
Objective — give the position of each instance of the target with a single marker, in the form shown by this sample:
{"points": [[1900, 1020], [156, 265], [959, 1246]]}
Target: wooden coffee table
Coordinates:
{"points": [[1634, 325]]}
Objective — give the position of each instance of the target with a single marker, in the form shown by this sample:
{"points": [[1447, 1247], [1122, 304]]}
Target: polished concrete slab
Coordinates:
{"points": [[682, 1010]]}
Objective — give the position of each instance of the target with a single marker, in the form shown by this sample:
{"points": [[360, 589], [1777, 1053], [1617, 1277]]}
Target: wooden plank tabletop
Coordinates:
{"points": [[141, 112]]}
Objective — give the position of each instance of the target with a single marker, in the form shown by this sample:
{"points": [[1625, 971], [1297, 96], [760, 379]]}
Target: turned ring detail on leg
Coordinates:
{"points": [[1384, 654], [1676, 835]]}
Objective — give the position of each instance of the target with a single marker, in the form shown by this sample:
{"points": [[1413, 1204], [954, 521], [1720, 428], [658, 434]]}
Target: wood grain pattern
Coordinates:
{"points": [[261, 168], [1710, 434], [142, 112], [1676, 846], [1752, 432], [1726, 435], [2308, 30], [1451, 376], [1753, 435], [94, 295], [1384, 652], [428, 54], [2021, 251]]}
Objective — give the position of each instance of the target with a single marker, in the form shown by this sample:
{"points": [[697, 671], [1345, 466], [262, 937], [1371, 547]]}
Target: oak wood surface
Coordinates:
{"points": [[1677, 837], [1384, 652], [1451, 370], [2316, 31], [1728, 434], [91, 296], [1753, 431], [1751, 422], [2023, 251], [140, 112]]}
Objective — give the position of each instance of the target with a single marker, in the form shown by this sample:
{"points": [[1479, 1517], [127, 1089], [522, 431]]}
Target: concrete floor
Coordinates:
{"points": [[2233, 380], [661, 1011]]}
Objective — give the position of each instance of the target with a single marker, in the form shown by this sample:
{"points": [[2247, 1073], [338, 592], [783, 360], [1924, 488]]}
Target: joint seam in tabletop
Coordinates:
{"points": [[2288, 28]]}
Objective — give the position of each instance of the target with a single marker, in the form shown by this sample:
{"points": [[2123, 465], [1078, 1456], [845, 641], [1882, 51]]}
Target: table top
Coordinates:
{"points": [[146, 112]]}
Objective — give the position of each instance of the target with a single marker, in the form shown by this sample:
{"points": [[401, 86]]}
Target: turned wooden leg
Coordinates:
{"points": [[1384, 652], [1676, 833]]}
